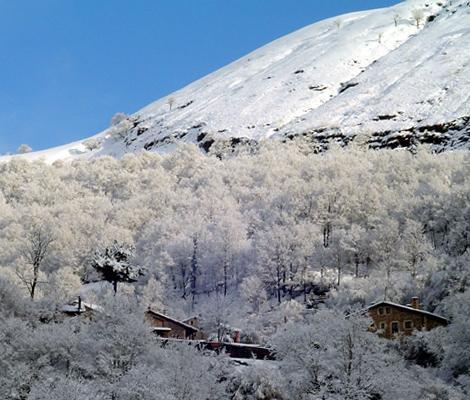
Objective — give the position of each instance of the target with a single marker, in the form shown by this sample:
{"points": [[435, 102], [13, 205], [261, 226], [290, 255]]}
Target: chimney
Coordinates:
{"points": [[237, 336], [415, 303]]}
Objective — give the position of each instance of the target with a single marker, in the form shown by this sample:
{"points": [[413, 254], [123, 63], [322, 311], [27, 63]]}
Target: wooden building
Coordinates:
{"points": [[392, 319], [239, 350], [168, 327], [80, 308], [193, 321]]}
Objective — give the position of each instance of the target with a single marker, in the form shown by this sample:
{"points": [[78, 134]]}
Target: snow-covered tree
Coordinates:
{"points": [[65, 283], [452, 343], [118, 118], [396, 19], [418, 16], [170, 102], [254, 293], [92, 144], [337, 358], [416, 246], [121, 129], [153, 295], [24, 148], [292, 311], [114, 265]]}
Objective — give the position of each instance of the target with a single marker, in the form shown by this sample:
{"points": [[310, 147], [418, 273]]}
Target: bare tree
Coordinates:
{"points": [[171, 102], [418, 16], [194, 271], [396, 19], [34, 251]]}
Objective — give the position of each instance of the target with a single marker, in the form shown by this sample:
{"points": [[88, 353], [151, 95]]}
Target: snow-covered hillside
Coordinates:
{"points": [[392, 75]]}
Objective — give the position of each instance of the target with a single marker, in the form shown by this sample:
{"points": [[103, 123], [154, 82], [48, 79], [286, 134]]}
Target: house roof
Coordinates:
{"points": [[73, 307], [410, 309], [190, 318], [175, 321]]}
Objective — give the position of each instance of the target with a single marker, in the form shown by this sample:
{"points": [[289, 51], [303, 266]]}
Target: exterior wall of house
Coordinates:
{"points": [[164, 334], [390, 321], [194, 321], [88, 314], [177, 331]]}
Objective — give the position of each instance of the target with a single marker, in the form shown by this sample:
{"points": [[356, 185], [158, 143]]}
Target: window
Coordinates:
{"points": [[408, 325], [388, 310], [395, 327], [381, 311], [382, 326]]}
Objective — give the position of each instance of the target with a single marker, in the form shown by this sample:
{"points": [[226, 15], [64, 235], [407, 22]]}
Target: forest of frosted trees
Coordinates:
{"points": [[241, 242]]}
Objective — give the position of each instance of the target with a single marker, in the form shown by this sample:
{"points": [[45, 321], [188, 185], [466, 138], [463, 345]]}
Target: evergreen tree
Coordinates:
{"points": [[114, 265]]}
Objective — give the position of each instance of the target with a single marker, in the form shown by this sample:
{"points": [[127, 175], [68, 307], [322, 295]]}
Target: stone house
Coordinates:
{"points": [[167, 327], [392, 319], [193, 321]]}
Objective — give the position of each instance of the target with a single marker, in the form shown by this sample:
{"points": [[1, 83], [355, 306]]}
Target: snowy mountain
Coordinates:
{"points": [[395, 76]]}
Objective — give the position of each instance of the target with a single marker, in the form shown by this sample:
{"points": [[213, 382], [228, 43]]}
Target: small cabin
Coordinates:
{"points": [[167, 327], [80, 308], [392, 319]]}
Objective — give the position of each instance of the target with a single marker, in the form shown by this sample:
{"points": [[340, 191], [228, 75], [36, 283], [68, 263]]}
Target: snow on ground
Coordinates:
{"points": [[423, 83], [67, 151], [365, 72]]}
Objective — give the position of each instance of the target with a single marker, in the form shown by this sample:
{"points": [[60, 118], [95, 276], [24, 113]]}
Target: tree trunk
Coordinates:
{"points": [[34, 283], [349, 356], [194, 272], [284, 282], [115, 283], [327, 229], [184, 281], [368, 261], [225, 276], [326, 235]]}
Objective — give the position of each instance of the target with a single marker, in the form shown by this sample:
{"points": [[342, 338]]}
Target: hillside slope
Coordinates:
{"points": [[377, 73]]}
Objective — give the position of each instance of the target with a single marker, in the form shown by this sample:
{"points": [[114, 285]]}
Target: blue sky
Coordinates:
{"points": [[66, 66]]}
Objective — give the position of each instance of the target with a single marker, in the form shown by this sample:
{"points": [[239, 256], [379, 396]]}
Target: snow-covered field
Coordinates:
{"points": [[381, 73]]}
